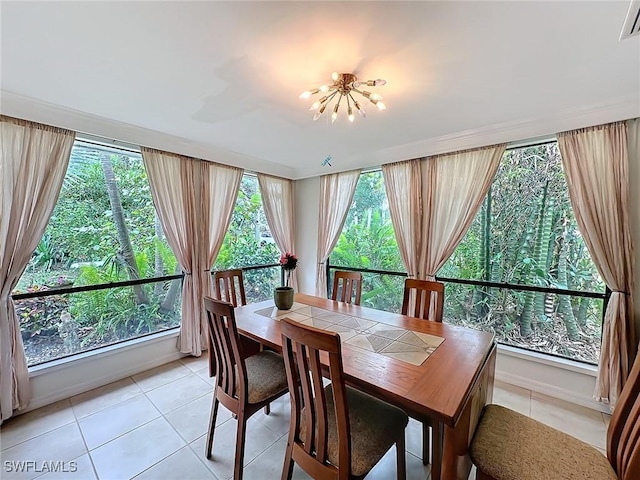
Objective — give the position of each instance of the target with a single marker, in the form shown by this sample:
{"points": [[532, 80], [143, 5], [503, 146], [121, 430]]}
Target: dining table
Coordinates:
{"points": [[434, 371]]}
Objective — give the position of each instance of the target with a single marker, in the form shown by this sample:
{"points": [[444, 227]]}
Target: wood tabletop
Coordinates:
{"points": [[439, 388]]}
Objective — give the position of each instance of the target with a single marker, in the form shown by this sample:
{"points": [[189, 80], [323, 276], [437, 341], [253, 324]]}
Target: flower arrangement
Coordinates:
{"points": [[288, 263]]}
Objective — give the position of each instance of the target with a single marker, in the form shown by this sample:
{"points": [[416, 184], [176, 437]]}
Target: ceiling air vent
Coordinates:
{"points": [[632, 22]]}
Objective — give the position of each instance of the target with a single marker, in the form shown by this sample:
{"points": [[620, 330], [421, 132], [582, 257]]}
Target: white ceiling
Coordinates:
{"points": [[220, 80]]}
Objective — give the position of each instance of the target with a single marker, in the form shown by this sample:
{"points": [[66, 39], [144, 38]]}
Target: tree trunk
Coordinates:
{"points": [[159, 264], [564, 303], [172, 293], [127, 255]]}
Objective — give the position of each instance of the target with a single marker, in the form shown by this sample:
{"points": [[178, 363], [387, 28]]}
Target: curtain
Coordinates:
{"points": [[432, 202], [403, 185], [194, 200], [336, 195], [33, 163], [277, 200], [455, 186], [595, 162]]}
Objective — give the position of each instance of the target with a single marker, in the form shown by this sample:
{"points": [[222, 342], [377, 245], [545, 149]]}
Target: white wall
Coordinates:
{"points": [[307, 198]]}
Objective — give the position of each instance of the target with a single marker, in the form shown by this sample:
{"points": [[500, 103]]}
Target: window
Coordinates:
{"points": [[102, 230], [248, 243], [368, 241], [526, 234], [509, 273]]}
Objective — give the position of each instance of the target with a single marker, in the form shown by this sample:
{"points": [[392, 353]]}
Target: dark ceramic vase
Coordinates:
{"points": [[283, 297]]}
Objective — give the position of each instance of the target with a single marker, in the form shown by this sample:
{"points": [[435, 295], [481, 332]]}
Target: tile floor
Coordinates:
{"points": [[153, 426]]}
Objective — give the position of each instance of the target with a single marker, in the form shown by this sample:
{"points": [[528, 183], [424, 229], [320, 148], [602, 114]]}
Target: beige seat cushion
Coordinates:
{"points": [[510, 446], [375, 427], [266, 375]]}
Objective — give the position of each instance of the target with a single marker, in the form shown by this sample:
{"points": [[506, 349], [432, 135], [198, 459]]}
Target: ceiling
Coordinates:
{"points": [[220, 80]]}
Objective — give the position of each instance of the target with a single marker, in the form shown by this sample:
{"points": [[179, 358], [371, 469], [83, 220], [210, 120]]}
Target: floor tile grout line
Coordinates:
{"points": [[190, 445], [39, 434]]}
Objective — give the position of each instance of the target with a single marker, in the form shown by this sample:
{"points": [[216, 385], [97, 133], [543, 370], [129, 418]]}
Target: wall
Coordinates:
{"points": [[307, 195]]}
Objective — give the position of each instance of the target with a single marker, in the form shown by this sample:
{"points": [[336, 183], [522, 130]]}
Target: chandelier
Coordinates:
{"points": [[344, 84]]}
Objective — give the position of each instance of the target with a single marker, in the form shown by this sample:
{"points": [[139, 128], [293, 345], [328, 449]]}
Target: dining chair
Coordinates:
{"points": [[226, 289], [509, 445], [346, 285], [336, 432], [425, 290], [229, 287], [243, 385]]}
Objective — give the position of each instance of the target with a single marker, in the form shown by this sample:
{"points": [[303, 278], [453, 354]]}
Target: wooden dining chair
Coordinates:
{"points": [[425, 290], [346, 285], [509, 445], [244, 385], [229, 287], [336, 432]]}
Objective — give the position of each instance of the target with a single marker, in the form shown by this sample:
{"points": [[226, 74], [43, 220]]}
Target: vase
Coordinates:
{"points": [[283, 297]]}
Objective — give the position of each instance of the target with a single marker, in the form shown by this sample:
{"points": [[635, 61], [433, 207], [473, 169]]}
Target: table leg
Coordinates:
{"points": [[456, 463]]}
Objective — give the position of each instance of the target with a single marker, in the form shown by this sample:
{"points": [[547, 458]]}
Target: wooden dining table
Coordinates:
{"points": [[450, 387]]}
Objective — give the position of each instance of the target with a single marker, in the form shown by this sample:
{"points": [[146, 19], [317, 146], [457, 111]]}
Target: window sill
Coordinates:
{"points": [[544, 359], [100, 353]]}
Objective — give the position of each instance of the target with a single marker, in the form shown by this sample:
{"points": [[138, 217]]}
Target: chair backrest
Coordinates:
{"points": [[424, 291], [623, 435], [226, 289], [351, 283], [227, 348], [302, 346]]}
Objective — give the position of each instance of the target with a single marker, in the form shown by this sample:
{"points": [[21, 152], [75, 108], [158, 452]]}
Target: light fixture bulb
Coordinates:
{"points": [[362, 112], [324, 88], [381, 106], [305, 94], [350, 114], [376, 96], [334, 116], [334, 76], [319, 112], [315, 105]]}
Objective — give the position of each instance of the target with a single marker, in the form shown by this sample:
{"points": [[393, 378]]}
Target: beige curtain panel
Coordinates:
{"points": [[194, 200], [277, 200], [32, 168], [595, 161], [403, 184], [433, 201], [336, 195]]}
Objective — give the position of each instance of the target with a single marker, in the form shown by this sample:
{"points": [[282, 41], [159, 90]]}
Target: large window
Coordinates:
{"points": [[526, 234], [248, 244], [102, 230], [103, 271], [368, 242], [522, 270]]}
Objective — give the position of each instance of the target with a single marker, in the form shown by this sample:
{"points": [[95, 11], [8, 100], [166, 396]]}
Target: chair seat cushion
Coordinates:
{"points": [[266, 376], [375, 427], [510, 446]]}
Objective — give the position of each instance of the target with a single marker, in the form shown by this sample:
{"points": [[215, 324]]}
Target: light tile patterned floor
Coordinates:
{"points": [[153, 426]]}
